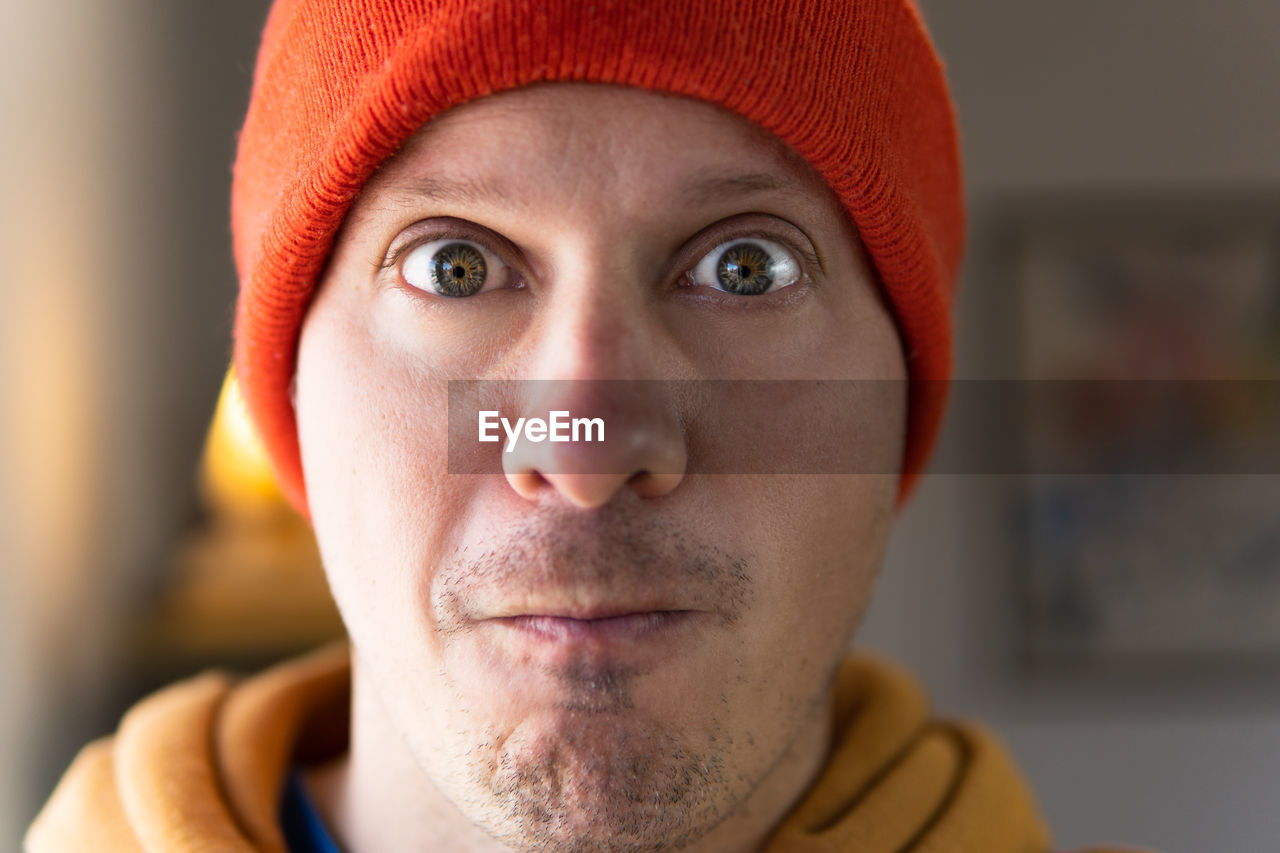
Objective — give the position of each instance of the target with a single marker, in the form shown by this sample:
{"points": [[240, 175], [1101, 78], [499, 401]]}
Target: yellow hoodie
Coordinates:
{"points": [[201, 765]]}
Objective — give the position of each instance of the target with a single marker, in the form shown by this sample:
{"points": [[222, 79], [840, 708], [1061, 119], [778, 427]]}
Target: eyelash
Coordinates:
{"points": [[439, 232]]}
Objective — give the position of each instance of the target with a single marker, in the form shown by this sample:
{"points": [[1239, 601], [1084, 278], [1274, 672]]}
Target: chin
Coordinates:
{"points": [[588, 781]]}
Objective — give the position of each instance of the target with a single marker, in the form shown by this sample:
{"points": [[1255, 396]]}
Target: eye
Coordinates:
{"points": [[452, 268], [747, 267]]}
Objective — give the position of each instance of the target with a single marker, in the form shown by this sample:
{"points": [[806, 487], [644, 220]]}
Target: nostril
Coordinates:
{"points": [[588, 440], [650, 484], [527, 483]]}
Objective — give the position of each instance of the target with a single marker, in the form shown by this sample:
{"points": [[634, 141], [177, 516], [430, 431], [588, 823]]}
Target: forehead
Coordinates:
{"points": [[557, 142]]}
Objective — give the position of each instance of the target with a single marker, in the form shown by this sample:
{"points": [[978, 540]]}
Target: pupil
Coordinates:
{"points": [[459, 272], [744, 271]]}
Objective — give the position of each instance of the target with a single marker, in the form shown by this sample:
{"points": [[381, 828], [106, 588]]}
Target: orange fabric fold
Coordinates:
{"points": [[200, 766], [898, 781]]}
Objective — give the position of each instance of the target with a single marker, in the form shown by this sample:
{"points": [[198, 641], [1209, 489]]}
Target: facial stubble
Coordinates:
{"points": [[607, 775]]}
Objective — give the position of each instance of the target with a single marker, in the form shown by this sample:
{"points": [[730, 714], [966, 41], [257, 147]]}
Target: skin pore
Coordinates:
{"points": [[481, 719]]}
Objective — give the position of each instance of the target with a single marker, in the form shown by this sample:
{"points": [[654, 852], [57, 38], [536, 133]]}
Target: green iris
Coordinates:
{"points": [[458, 270], [744, 268]]}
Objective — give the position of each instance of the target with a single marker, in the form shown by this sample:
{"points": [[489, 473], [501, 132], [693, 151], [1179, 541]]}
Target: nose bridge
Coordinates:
{"points": [[595, 322]]}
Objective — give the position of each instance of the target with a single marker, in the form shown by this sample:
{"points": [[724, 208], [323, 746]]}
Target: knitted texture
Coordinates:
{"points": [[854, 86]]}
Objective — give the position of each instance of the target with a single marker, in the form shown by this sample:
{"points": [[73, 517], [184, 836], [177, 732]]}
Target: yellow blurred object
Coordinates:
{"points": [[235, 476], [247, 582]]}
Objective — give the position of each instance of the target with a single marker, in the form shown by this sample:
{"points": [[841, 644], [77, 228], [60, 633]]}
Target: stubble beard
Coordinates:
{"points": [[596, 773], [600, 785]]}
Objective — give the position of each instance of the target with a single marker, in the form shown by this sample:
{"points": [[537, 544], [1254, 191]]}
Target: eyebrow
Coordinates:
{"points": [[711, 188], [457, 190], [479, 190]]}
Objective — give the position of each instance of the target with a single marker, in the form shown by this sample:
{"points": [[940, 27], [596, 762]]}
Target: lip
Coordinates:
{"points": [[613, 634]]}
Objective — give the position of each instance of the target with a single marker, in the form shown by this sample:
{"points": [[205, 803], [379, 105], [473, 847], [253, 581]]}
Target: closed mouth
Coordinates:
{"points": [[617, 626]]}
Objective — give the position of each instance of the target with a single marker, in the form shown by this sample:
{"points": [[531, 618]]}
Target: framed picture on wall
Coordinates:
{"points": [[1149, 339]]}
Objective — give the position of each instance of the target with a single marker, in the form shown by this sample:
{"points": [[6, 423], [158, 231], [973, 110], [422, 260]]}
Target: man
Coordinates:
{"points": [[691, 222]]}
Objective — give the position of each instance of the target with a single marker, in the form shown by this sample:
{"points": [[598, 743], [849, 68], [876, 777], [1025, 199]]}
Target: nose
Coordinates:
{"points": [[596, 350], [614, 435]]}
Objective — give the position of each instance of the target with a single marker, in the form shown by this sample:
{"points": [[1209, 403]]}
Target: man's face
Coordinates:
{"points": [[608, 651]]}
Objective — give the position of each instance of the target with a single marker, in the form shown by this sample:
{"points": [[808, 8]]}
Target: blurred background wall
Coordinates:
{"points": [[115, 308], [1109, 98], [116, 288]]}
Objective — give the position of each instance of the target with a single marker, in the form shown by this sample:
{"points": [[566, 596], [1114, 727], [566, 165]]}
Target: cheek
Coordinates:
{"points": [[371, 427], [817, 542], [824, 536], [831, 532]]}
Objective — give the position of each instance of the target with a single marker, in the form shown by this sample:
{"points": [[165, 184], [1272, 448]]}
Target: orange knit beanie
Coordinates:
{"points": [[854, 86]]}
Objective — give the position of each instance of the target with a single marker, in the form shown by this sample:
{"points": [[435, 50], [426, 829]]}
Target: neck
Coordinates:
{"points": [[377, 798]]}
